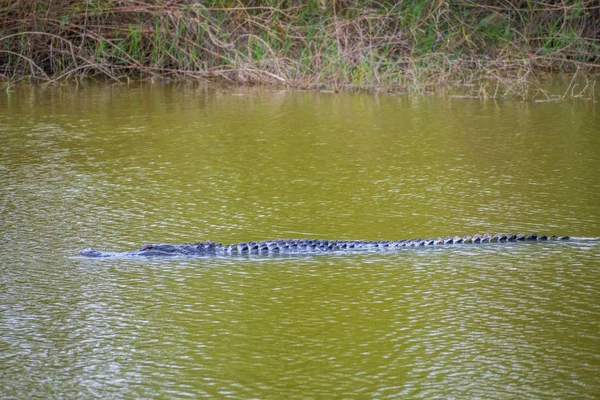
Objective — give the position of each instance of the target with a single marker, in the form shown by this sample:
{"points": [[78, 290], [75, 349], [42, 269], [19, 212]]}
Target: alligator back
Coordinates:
{"points": [[287, 246]]}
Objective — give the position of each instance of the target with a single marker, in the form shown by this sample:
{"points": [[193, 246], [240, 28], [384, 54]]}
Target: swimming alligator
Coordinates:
{"points": [[304, 246]]}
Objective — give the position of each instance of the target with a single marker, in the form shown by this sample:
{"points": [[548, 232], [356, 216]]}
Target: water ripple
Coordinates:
{"points": [[105, 168]]}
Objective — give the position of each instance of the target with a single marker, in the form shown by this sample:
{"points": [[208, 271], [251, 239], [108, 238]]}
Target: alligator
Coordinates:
{"points": [[305, 246]]}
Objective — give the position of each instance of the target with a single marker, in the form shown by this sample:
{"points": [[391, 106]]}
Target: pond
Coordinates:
{"points": [[116, 166]]}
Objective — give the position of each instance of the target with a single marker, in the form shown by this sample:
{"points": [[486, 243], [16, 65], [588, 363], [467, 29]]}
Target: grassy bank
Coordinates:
{"points": [[496, 48]]}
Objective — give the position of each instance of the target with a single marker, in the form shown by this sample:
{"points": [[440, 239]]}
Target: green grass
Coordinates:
{"points": [[409, 45]]}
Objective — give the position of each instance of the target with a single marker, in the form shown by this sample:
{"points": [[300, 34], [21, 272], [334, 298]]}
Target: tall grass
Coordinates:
{"points": [[407, 45]]}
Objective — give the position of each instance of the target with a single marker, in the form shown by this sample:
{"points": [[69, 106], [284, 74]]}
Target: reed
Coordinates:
{"points": [[495, 48]]}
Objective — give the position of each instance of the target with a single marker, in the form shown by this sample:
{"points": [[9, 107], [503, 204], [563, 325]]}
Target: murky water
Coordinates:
{"points": [[114, 167]]}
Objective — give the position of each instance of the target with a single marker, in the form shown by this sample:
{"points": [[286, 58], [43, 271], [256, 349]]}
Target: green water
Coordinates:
{"points": [[115, 167]]}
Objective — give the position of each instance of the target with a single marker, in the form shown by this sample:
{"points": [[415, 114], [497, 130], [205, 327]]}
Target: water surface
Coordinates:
{"points": [[115, 166]]}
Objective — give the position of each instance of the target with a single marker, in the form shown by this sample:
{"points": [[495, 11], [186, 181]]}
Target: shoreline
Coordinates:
{"points": [[557, 87]]}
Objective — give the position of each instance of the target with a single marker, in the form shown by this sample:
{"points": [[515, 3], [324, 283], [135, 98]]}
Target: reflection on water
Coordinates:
{"points": [[115, 167]]}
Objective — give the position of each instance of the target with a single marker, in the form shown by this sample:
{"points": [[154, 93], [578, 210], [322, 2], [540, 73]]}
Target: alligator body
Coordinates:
{"points": [[306, 246]]}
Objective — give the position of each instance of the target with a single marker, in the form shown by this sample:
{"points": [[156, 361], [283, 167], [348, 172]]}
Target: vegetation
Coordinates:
{"points": [[496, 47]]}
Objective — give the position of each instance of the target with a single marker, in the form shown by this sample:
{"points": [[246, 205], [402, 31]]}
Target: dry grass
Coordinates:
{"points": [[495, 49]]}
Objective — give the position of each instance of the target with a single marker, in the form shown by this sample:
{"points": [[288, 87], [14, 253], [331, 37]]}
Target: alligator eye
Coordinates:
{"points": [[147, 247]]}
